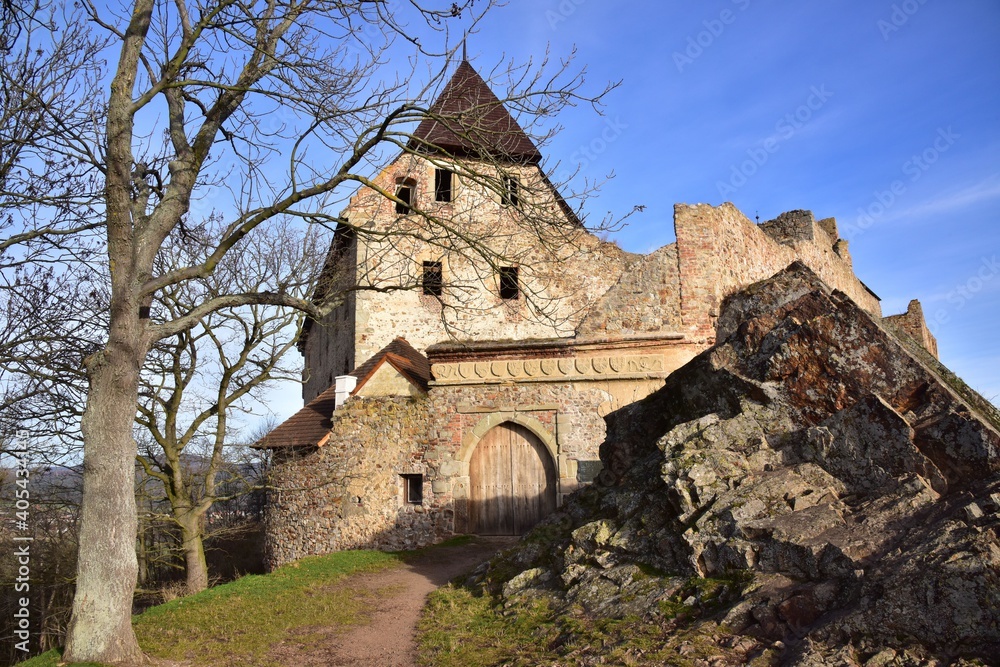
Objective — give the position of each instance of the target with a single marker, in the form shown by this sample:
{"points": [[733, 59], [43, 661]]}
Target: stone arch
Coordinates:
{"points": [[473, 437]]}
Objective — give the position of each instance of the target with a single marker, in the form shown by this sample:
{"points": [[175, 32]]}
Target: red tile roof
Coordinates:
{"points": [[468, 119], [309, 426], [403, 357]]}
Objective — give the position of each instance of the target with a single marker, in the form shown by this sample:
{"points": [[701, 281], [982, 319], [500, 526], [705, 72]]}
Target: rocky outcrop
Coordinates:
{"points": [[840, 501]]}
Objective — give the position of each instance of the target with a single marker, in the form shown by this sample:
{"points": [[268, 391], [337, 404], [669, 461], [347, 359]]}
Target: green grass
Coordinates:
{"points": [[462, 628], [238, 623]]}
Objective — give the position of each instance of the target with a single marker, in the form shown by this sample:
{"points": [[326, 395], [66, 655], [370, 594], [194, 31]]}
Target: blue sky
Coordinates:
{"points": [[882, 114], [885, 115]]}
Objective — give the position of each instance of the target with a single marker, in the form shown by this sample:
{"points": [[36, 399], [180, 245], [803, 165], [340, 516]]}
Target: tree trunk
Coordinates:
{"points": [[194, 553], [100, 628], [142, 554]]}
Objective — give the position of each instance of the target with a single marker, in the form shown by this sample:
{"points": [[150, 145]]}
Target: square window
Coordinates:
{"points": [[509, 196], [442, 185], [509, 288], [432, 279], [405, 195], [413, 489]]}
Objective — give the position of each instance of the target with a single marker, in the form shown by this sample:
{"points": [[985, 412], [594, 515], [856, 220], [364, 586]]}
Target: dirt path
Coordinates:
{"points": [[395, 598]]}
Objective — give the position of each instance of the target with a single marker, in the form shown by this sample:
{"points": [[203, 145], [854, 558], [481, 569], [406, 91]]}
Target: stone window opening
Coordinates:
{"points": [[443, 185], [509, 196], [413, 489], [432, 280], [509, 285], [405, 189]]}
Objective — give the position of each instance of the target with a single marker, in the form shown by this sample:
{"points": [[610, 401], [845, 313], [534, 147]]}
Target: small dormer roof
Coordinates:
{"points": [[310, 426], [410, 363], [467, 119]]}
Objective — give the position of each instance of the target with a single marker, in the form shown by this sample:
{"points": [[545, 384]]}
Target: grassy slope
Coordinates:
{"points": [[238, 623]]}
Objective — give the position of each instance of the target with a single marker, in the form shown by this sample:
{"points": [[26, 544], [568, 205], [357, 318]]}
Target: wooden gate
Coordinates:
{"points": [[512, 482]]}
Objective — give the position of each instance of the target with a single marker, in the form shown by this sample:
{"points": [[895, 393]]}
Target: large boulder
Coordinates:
{"points": [[844, 494]]}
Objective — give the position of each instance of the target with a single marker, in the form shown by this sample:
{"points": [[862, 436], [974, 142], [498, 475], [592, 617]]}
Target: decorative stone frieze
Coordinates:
{"points": [[550, 370]]}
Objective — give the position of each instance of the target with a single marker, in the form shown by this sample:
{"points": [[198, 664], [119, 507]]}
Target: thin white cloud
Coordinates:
{"points": [[948, 203]]}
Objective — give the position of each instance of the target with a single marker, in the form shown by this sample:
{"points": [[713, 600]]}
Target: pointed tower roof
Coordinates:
{"points": [[467, 119]]}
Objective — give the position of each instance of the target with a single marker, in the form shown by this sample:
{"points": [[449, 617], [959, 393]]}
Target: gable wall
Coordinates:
{"points": [[387, 381], [566, 270]]}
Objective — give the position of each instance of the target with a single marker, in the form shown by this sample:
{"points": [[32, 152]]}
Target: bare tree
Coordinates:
{"points": [[244, 113], [50, 313], [199, 382]]}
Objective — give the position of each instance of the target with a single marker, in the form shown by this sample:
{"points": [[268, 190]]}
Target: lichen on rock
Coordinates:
{"points": [[846, 495]]}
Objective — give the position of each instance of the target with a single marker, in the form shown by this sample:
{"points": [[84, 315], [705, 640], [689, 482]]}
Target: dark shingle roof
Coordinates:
{"points": [[308, 426], [468, 119]]}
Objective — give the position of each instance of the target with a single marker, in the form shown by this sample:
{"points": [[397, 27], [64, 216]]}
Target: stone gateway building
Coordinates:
{"points": [[473, 401]]}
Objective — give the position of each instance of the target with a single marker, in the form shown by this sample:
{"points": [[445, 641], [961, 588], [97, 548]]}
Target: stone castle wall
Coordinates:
{"points": [[348, 493], [913, 324], [563, 268], [720, 250], [645, 300]]}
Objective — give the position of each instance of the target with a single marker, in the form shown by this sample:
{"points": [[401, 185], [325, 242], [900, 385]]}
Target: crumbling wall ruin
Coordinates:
{"points": [[720, 250], [913, 324]]}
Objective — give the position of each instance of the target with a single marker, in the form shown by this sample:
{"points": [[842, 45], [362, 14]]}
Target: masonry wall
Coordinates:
{"points": [[329, 348], [348, 494], [720, 251], [563, 268], [913, 324], [645, 300]]}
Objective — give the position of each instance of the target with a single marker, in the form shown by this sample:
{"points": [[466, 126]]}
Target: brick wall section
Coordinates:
{"points": [[913, 324], [720, 251], [645, 300]]}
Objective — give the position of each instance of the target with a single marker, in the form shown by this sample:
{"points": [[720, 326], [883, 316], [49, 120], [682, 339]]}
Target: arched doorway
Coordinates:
{"points": [[512, 481]]}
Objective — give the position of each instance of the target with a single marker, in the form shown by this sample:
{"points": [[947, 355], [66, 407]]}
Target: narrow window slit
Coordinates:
{"points": [[509, 286]]}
